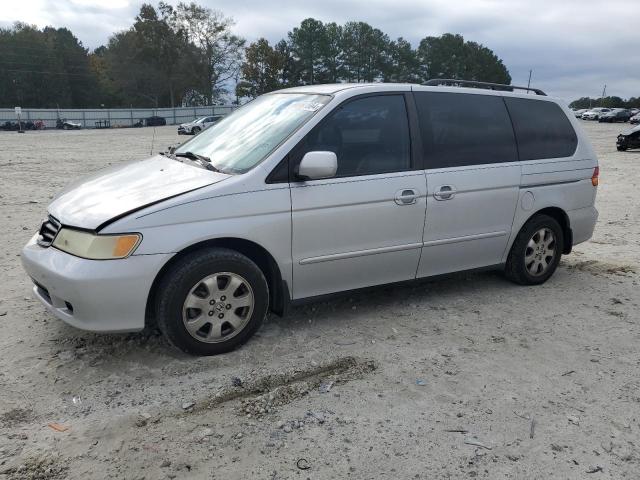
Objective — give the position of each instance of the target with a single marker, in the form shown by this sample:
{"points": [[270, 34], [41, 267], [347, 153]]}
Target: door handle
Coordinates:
{"points": [[406, 196], [445, 192]]}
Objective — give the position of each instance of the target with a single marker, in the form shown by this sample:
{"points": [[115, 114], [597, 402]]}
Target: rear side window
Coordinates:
{"points": [[460, 129], [369, 136], [542, 129]]}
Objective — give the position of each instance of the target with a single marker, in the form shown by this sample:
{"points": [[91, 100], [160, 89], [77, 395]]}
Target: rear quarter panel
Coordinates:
{"points": [[563, 183]]}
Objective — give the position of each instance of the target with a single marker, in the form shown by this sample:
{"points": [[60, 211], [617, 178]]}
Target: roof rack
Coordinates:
{"points": [[472, 83]]}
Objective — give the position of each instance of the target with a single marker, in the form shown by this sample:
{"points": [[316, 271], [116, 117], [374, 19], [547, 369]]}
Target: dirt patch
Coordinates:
{"points": [[38, 468], [16, 416], [282, 389], [596, 267], [264, 393]]}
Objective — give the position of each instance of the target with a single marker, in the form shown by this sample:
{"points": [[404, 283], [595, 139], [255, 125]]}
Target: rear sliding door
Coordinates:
{"points": [[473, 179]]}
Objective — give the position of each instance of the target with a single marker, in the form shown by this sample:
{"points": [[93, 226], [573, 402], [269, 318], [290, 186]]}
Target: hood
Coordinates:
{"points": [[120, 190]]}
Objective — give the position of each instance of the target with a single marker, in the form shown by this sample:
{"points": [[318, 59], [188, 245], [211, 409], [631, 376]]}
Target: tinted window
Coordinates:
{"points": [[464, 129], [542, 129], [368, 135]]}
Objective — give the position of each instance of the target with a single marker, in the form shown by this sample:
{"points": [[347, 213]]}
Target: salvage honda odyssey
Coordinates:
{"points": [[314, 190]]}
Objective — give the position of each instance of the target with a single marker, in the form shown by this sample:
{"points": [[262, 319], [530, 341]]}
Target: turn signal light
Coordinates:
{"points": [[594, 177], [124, 245]]}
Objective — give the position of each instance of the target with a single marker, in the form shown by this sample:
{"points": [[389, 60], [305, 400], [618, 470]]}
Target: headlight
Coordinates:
{"points": [[96, 247]]}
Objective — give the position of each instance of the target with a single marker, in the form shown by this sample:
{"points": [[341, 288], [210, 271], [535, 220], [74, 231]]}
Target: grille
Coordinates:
{"points": [[48, 231]]}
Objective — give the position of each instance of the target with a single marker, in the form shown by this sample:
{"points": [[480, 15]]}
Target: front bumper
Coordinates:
{"points": [[93, 295]]}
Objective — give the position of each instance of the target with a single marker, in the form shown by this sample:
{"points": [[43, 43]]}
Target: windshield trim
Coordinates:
{"points": [[284, 140]]}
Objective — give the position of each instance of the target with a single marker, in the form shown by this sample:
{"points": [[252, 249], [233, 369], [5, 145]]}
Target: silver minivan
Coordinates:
{"points": [[314, 190]]}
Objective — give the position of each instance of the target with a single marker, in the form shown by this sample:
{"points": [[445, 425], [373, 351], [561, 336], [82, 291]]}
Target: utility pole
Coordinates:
{"points": [[529, 82], [604, 92], [18, 111]]}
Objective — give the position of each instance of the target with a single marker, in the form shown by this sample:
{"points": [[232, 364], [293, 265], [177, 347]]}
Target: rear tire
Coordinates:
{"points": [[536, 251], [211, 301]]}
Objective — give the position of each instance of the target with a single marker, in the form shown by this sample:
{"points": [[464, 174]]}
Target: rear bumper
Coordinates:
{"points": [[583, 223], [93, 295]]}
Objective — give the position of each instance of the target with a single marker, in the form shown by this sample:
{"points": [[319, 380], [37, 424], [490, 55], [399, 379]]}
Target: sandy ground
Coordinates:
{"points": [[470, 376]]}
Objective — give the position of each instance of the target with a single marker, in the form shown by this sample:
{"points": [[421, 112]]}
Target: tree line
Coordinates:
{"points": [[608, 102], [317, 52], [188, 55]]}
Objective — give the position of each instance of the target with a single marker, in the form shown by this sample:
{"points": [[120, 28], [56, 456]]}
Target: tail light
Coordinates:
{"points": [[595, 176]]}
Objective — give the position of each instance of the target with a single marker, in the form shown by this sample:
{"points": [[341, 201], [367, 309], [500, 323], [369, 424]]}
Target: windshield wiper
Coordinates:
{"points": [[204, 161], [193, 156]]}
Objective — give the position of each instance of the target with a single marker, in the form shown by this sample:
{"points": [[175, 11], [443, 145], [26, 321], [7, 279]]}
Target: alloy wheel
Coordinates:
{"points": [[218, 307], [540, 252]]}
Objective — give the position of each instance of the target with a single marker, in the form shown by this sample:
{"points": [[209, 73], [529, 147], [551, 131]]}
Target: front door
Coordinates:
{"points": [[363, 227], [473, 179]]}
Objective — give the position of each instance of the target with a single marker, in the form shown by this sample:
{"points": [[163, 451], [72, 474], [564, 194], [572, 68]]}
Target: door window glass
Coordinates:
{"points": [[460, 129], [368, 135]]}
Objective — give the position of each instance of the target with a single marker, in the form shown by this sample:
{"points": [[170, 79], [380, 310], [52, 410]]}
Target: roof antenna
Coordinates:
{"points": [[153, 139]]}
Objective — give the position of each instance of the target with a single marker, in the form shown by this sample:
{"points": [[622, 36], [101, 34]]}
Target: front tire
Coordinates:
{"points": [[195, 130], [536, 251], [211, 301]]}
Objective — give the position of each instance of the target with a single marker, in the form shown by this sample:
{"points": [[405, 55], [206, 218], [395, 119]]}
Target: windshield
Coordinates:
{"points": [[240, 141]]}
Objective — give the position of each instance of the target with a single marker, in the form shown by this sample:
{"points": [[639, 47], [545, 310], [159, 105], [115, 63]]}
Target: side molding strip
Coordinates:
{"points": [[549, 184], [467, 238], [360, 253], [399, 248]]}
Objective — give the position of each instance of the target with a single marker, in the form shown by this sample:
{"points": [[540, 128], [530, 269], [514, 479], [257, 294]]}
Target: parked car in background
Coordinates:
{"points": [[64, 124], [195, 127], [594, 113], [635, 118], [629, 139], [317, 190], [616, 115], [578, 113], [28, 125], [155, 121]]}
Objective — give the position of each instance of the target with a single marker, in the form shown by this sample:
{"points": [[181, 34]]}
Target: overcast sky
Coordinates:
{"points": [[574, 47]]}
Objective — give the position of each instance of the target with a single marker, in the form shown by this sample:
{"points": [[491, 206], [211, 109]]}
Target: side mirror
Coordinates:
{"points": [[317, 165]]}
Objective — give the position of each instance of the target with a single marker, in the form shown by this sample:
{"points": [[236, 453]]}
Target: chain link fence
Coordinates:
{"points": [[115, 117]]}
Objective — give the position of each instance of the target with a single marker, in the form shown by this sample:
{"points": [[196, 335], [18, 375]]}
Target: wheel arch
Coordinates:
{"points": [[562, 218], [278, 290]]}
